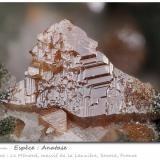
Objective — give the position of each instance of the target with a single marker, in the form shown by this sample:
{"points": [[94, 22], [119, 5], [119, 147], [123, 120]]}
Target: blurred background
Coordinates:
{"points": [[128, 33]]}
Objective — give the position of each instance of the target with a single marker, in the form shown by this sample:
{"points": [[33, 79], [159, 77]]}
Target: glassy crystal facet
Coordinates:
{"points": [[68, 72]]}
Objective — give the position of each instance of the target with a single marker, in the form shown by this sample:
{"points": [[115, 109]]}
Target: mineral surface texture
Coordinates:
{"points": [[68, 72]]}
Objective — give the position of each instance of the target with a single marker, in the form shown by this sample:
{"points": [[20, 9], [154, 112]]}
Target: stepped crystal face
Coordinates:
{"points": [[68, 72]]}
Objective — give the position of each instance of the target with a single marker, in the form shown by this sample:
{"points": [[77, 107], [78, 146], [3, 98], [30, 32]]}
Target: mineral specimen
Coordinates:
{"points": [[6, 81], [54, 119], [68, 72]]}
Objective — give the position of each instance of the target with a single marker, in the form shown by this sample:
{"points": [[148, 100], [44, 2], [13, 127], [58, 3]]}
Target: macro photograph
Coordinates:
{"points": [[80, 72]]}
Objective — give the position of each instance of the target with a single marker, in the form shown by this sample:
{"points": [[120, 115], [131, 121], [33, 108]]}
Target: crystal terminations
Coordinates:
{"points": [[68, 72]]}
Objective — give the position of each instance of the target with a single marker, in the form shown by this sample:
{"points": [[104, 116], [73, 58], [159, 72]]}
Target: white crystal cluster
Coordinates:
{"points": [[68, 72]]}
